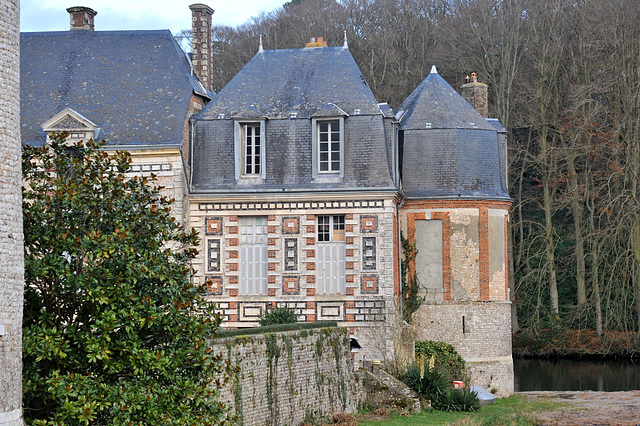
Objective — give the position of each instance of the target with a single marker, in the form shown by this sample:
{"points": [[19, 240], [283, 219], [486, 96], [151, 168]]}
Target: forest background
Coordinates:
{"points": [[564, 79]]}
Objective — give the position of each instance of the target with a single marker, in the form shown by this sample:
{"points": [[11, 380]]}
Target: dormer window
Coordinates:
{"points": [[250, 149], [75, 124], [328, 147]]}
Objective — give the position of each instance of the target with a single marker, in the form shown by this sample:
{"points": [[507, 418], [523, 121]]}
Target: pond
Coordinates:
{"points": [[575, 375]]}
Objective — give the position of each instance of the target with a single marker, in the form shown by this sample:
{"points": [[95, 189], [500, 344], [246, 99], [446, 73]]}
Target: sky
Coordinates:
{"points": [[175, 15]]}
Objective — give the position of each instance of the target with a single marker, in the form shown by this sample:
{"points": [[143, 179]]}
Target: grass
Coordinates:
{"points": [[513, 411]]}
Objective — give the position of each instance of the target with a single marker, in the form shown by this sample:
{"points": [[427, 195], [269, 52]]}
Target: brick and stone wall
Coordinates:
{"points": [[368, 306], [287, 376], [480, 332], [11, 239], [168, 167]]}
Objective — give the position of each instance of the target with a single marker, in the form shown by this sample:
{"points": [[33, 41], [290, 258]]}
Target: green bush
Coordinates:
{"points": [[458, 400], [430, 384], [444, 355], [279, 316]]}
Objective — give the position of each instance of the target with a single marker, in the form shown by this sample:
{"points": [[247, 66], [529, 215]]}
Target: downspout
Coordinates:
{"points": [[191, 124]]}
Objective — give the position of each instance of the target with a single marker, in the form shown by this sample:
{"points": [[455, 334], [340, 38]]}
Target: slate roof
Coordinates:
{"points": [[304, 81], [135, 85], [434, 101], [448, 149]]}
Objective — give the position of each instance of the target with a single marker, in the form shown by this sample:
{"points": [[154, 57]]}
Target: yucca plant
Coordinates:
{"points": [[457, 400]]}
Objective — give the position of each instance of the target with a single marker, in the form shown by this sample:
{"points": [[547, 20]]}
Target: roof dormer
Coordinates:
{"points": [[75, 124]]}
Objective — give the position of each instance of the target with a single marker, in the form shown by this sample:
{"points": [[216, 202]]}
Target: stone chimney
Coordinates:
{"points": [[82, 18], [477, 95], [201, 40]]}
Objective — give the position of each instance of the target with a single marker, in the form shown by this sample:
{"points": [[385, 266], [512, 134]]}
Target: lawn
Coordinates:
{"points": [[515, 410]]}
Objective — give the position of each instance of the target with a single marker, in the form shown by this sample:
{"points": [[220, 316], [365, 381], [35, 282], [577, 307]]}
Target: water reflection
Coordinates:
{"points": [[575, 375]]}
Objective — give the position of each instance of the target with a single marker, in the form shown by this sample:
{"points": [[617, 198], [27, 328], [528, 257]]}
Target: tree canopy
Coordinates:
{"points": [[114, 330]]}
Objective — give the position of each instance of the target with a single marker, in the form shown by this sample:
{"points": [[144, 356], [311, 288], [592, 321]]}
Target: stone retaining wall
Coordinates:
{"points": [[291, 376]]}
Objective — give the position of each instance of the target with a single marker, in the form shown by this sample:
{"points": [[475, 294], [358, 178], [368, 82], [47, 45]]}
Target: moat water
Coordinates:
{"points": [[575, 375]]}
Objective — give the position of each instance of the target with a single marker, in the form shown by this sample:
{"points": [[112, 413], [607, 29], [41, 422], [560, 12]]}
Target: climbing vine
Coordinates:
{"points": [[411, 299]]}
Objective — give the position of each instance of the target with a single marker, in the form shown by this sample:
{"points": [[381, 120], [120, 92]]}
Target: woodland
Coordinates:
{"points": [[564, 79]]}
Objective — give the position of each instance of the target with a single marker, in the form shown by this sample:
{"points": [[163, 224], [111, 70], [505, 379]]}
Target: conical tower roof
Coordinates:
{"points": [[436, 105]]}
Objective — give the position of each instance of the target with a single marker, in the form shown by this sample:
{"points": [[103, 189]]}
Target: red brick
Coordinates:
{"points": [[271, 218], [272, 266], [311, 318], [311, 279], [272, 229], [351, 265], [233, 305], [271, 254], [233, 267], [351, 252], [233, 318], [233, 292], [271, 292], [350, 241], [350, 304], [348, 216], [271, 279], [351, 291], [311, 218], [311, 229], [311, 305], [233, 230], [311, 253], [272, 241], [311, 266], [234, 280], [348, 227], [233, 254], [351, 278], [311, 292], [233, 218], [350, 318], [232, 242], [311, 241]]}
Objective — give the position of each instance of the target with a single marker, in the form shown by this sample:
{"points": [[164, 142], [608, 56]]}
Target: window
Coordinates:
{"points": [[251, 148], [330, 228], [328, 148], [331, 258]]}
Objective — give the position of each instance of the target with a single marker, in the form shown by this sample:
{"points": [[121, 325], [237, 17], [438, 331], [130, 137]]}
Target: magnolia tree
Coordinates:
{"points": [[114, 330]]}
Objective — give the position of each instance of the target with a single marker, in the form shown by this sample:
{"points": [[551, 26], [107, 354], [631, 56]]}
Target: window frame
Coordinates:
{"points": [[316, 140], [335, 223], [240, 137]]}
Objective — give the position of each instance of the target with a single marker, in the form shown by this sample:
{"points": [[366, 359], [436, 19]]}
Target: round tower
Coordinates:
{"points": [[11, 242], [456, 213]]}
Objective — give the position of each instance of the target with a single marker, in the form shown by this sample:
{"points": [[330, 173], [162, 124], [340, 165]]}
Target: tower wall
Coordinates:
{"points": [[462, 270], [11, 240]]}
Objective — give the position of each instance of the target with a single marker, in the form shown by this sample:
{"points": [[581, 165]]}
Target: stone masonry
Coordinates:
{"points": [[11, 240], [288, 377]]}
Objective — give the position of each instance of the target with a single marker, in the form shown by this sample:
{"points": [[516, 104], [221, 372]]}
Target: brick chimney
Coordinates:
{"points": [[202, 38], [81, 17], [477, 95]]}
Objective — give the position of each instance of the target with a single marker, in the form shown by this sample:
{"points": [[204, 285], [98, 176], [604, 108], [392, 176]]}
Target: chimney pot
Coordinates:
{"points": [[81, 18]]}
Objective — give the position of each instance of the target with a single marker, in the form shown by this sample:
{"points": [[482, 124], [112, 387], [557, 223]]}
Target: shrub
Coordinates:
{"points": [[444, 355], [430, 384], [458, 400], [279, 316]]}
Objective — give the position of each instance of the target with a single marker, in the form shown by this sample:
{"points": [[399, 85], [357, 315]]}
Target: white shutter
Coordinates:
{"points": [[253, 256], [331, 278]]}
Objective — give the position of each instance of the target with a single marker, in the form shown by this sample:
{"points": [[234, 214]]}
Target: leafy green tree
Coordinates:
{"points": [[114, 330]]}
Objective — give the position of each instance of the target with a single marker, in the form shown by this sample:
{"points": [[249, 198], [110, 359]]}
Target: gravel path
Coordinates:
{"points": [[591, 408]]}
